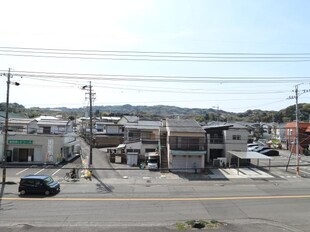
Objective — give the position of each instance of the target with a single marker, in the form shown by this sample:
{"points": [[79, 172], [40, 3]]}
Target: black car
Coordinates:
{"points": [[260, 149], [270, 152], [38, 185]]}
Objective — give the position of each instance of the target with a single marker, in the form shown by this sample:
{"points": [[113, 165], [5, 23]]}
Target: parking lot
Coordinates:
{"points": [[122, 171]]}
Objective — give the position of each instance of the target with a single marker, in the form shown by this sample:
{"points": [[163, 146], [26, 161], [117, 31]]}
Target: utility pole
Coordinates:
{"points": [[91, 125], [297, 94], [91, 97], [6, 125], [297, 132]]}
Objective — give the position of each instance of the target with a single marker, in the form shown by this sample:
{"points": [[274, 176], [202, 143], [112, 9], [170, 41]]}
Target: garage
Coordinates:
{"points": [[247, 155], [186, 161], [132, 158]]}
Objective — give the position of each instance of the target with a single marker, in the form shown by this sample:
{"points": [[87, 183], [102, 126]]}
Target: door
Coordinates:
{"points": [[179, 163], [132, 160]]}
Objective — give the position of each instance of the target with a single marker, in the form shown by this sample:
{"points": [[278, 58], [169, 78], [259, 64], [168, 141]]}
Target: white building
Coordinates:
{"points": [[223, 138], [46, 141]]}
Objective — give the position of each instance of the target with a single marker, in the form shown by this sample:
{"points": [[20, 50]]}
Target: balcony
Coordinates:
{"points": [[216, 140]]}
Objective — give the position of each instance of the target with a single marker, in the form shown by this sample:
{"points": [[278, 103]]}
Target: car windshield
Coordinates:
{"points": [[48, 180], [152, 161]]}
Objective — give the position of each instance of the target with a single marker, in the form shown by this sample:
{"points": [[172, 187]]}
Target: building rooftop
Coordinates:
{"points": [[183, 125], [150, 125]]}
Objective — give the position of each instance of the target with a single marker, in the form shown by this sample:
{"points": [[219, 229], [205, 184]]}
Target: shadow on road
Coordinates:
{"points": [[102, 187], [1, 194]]}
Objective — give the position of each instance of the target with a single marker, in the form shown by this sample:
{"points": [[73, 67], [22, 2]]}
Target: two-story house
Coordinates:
{"points": [[109, 126], [140, 138], [225, 137], [30, 141], [186, 145]]}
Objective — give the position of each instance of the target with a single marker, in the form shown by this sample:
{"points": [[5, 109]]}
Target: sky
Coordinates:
{"points": [[233, 55]]}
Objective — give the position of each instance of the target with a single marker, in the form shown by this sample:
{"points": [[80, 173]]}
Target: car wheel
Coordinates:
{"points": [[22, 192], [47, 193]]}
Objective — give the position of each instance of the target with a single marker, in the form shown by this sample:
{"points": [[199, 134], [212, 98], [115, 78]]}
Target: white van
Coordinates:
{"points": [[152, 163]]}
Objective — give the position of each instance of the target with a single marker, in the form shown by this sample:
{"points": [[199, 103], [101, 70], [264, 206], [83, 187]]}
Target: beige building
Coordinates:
{"points": [[186, 148]]}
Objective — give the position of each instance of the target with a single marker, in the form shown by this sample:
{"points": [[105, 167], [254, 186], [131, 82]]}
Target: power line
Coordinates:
{"points": [[154, 55], [160, 52], [206, 60], [164, 78]]}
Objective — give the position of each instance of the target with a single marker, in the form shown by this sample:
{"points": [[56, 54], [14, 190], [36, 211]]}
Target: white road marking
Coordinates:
{"points": [[22, 171], [56, 172], [39, 171]]}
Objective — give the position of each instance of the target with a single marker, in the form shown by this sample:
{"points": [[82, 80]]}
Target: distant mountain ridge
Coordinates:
{"points": [[165, 111]]}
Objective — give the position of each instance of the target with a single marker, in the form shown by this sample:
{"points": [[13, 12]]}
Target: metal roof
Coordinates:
{"points": [[21, 120], [249, 155], [53, 123], [183, 125], [236, 125], [149, 125]]}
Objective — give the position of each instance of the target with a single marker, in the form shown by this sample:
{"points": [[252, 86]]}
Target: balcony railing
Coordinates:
{"points": [[217, 140], [188, 147]]}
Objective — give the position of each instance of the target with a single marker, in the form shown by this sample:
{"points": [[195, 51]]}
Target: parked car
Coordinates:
{"points": [[270, 152], [252, 148], [152, 163], [38, 184], [252, 144], [260, 148]]}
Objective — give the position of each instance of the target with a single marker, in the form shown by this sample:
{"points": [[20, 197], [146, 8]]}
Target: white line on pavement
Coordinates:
{"points": [[39, 171], [305, 172], [22, 171], [56, 172]]}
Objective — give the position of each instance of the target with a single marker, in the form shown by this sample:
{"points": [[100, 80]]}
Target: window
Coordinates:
{"points": [[290, 131], [236, 137], [23, 154], [187, 143], [46, 130]]}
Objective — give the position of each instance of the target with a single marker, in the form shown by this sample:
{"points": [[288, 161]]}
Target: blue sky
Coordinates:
{"points": [[205, 26]]}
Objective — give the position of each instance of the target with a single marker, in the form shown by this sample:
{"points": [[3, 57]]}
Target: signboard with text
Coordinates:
{"points": [[20, 141]]}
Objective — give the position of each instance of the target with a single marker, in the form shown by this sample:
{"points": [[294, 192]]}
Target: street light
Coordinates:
{"points": [[5, 144]]}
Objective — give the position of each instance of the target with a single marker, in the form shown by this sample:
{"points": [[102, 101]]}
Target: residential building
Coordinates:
{"points": [[222, 138], [108, 125], [303, 137], [128, 119], [186, 145], [43, 141], [141, 138], [54, 126]]}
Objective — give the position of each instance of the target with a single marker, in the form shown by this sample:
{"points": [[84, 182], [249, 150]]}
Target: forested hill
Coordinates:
{"points": [[163, 111]]}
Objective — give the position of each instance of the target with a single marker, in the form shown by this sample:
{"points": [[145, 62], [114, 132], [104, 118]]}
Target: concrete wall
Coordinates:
{"points": [[107, 141], [236, 145]]}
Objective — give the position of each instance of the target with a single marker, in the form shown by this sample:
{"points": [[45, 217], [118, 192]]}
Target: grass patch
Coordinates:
{"points": [[197, 224], [181, 226]]}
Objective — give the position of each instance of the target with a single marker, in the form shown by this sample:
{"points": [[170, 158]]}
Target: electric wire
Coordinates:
{"points": [[154, 55], [159, 78]]}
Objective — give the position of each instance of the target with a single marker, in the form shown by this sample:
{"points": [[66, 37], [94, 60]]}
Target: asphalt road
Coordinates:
{"points": [[111, 202], [100, 161], [247, 207]]}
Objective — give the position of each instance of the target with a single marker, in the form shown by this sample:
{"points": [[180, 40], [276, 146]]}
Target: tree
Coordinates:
{"points": [[71, 118]]}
